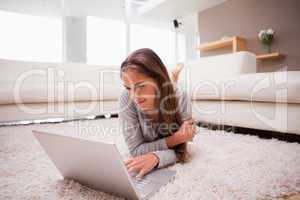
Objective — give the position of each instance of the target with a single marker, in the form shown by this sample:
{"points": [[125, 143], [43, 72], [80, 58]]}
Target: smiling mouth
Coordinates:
{"points": [[140, 102]]}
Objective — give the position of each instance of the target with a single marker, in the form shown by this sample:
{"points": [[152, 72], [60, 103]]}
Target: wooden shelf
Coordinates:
{"points": [[269, 56], [237, 44]]}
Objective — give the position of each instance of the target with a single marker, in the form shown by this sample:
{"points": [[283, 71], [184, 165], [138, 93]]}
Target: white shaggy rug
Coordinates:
{"points": [[224, 166]]}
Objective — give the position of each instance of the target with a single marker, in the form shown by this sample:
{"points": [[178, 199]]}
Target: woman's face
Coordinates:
{"points": [[143, 89]]}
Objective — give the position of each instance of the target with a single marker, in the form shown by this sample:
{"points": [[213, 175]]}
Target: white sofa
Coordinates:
{"points": [[226, 90], [34, 90]]}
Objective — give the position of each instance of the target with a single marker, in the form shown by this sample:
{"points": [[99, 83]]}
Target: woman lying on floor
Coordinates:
{"points": [[154, 114]]}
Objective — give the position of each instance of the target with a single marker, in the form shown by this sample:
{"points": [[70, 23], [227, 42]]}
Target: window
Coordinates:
{"points": [[30, 38], [106, 41], [162, 41]]}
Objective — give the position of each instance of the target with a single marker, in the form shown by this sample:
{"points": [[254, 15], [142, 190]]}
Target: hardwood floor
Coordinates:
{"points": [[292, 197]]}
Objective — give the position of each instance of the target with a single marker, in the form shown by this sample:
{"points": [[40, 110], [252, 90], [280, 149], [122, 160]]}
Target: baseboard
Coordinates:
{"points": [[55, 120], [265, 134]]}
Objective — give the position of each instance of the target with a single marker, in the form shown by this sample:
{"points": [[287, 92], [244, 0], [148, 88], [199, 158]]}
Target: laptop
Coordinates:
{"points": [[99, 165]]}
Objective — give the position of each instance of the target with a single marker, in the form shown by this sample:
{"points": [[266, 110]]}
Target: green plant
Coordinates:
{"points": [[266, 38]]}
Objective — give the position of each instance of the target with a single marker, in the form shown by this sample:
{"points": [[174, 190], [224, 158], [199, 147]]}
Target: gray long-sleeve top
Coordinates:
{"points": [[139, 132]]}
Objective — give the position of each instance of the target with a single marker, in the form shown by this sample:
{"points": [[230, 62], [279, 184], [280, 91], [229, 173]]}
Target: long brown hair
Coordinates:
{"points": [[146, 61]]}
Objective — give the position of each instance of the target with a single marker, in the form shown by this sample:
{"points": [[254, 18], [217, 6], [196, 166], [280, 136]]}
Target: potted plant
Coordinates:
{"points": [[266, 38]]}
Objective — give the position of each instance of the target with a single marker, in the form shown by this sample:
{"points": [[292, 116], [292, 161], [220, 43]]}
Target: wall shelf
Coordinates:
{"points": [[237, 44], [269, 56]]}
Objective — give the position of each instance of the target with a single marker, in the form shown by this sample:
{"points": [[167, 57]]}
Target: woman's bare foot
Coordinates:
{"points": [[176, 71]]}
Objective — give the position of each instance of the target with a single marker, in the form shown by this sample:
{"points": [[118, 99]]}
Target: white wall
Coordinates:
{"points": [[74, 39], [189, 28]]}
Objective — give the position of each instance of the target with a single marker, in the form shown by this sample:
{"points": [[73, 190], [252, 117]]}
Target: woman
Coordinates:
{"points": [[154, 114]]}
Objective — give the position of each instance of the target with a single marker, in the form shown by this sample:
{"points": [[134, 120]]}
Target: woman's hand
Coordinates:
{"points": [[185, 133], [142, 164], [187, 130]]}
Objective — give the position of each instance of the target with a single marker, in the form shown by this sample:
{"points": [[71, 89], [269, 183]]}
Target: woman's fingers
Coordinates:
{"points": [[135, 168], [132, 161], [192, 127], [137, 164], [190, 121], [141, 164], [142, 173], [188, 129], [147, 167], [128, 161]]}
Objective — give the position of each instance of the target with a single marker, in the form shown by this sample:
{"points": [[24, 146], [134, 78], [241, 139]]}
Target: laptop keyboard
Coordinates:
{"points": [[140, 183]]}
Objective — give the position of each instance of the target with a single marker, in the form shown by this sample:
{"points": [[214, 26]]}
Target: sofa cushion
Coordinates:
{"points": [[283, 86], [40, 93], [42, 72], [217, 68], [271, 116], [32, 82]]}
